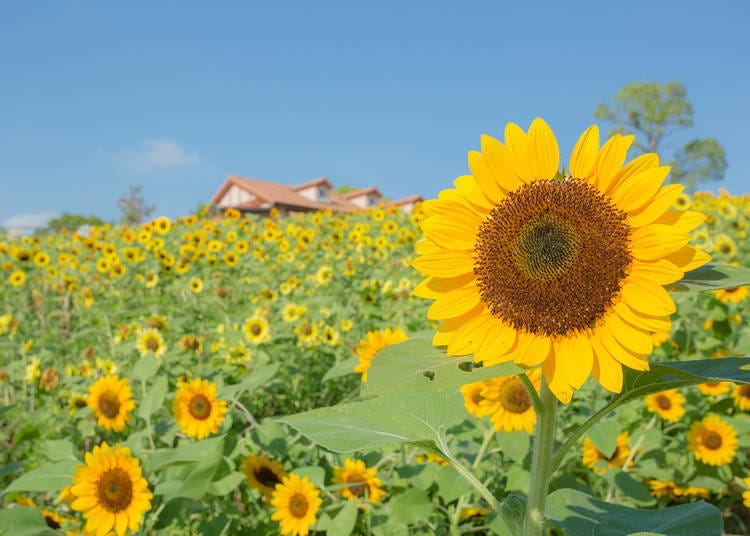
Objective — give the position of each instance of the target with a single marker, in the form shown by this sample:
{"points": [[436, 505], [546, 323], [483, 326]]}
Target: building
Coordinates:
{"points": [[259, 197]]}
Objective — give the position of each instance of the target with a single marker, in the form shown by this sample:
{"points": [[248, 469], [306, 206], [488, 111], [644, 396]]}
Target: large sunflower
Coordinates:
{"points": [[110, 491], [296, 502], [566, 272], [262, 473], [197, 410], [712, 441], [111, 401], [359, 481]]}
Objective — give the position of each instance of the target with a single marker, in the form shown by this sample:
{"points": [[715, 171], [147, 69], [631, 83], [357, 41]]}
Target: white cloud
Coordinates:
{"points": [[26, 223], [156, 154]]}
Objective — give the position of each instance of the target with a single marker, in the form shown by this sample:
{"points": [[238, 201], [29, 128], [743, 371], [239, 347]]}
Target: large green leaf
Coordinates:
{"points": [[51, 477], [342, 368], [713, 276], [252, 381], [384, 420], [24, 521], [154, 399], [416, 365], [187, 452], [579, 513]]}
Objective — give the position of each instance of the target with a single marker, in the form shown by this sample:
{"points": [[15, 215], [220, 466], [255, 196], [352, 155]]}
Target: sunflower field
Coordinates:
{"points": [[178, 378]]}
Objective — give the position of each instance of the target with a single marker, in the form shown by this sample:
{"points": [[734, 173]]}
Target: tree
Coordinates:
{"points": [[654, 113], [133, 206], [71, 222]]}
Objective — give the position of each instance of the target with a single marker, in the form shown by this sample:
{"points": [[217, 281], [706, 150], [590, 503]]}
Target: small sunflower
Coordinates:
{"points": [[473, 399], [509, 403], [741, 395], [733, 295], [256, 330], [714, 388], [712, 441], [296, 502], [566, 273], [746, 494], [196, 284], [151, 340], [375, 341], [592, 455], [667, 404], [262, 473], [197, 410], [17, 278], [110, 491], [359, 481], [111, 401]]}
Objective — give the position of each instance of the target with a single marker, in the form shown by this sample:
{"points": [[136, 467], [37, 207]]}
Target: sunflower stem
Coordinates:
{"points": [[541, 462], [536, 402]]}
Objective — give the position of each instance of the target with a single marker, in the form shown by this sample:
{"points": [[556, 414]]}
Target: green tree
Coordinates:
{"points": [[133, 206], [71, 222], [654, 113]]}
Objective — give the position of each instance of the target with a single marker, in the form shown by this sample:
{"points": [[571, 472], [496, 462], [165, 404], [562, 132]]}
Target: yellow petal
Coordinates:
{"points": [[454, 196], [433, 287], [647, 297], [555, 377], [468, 187], [661, 271], [610, 160], [636, 340], [651, 323], [634, 167], [620, 353], [516, 142], [482, 174], [583, 157], [450, 233], [655, 241], [543, 152], [606, 370], [498, 345], [658, 206], [498, 158], [470, 334], [448, 263], [682, 220], [689, 258], [575, 353], [532, 349], [640, 189], [454, 303]]}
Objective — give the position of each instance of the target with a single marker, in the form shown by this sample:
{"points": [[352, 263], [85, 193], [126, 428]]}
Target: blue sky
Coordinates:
{"points": [[176, 96]]}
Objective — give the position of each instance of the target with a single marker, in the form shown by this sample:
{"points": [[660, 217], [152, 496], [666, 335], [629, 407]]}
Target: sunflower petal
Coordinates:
{"points": [[555, 377], [482, 174], [610, 160], [532, 349], [640, 190], [656, 241], [647, 297], [658, 206], [689, 258], [454, 303], [583, 157], [516, 142], [498, 158], [544, 154]]}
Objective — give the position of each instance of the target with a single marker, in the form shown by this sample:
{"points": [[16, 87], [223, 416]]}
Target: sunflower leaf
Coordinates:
{"points": [[24, 521], [47, 478], [416, 365], [385, 420], [579, 513], [713, 276], [252, 381]]}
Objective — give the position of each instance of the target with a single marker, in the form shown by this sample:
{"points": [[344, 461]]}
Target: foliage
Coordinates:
{"points": [[133, 206], [70, 222]]}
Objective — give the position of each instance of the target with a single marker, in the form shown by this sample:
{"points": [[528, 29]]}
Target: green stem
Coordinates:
{"points": [[536, 402], [541, 463]]}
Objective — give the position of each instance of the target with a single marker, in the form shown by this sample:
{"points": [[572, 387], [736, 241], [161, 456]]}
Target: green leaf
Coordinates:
{"points": [[451, 485], [412, 506], [515, 445], [48, 478], [225, 485], [632, 488], [342, 368], [24, 521], [145, 368], [713, 276], [185, 453], [385, 420], [604, 435], [578, 513], [343, 523], [193, 483], [416, 365], [59, 449], [154, 399], [252, 381], [315, 474], [7, 409]]}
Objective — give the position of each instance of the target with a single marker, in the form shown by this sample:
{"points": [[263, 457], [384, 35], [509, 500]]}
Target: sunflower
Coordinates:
{"points": [[712, 441], [507, 402], [162, 225], [714, 388], [375, 341], [734, 294], [296, 502], [741, 395], [256, 330], [526, 265], [746, 494], [262, 473], [592, 455], [196, 284], [111, 401], [358, 481], [151, 340], [667, 404], [307, 334], [17, 278], [110, 491], [197, 410], [473, 398]]}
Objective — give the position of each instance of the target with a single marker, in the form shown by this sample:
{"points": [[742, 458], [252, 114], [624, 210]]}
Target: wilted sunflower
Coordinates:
{"points": [[262, 473], [111, 401], [592, 455], [359, 481], [197, 410], [151, 340], [741, 395], [733, 295], [110, 491], [296, 502], [376, 341], [566, 272], [712, 441], [667, 404]]}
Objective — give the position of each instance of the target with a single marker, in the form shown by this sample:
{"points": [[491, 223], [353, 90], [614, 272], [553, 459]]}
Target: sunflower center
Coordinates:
{"points": [[513, 396], [663, 402], [114, 490], [255, 329], [200, 407], [266, 476], [109, 404], [712, 440], [551, 257], [356, 486], [744, 391], [152, 344], [298, 505]]}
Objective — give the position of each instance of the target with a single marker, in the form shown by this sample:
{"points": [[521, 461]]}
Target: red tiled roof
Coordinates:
{"points": [[409, 199], [314, 182], [363, 191]]}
